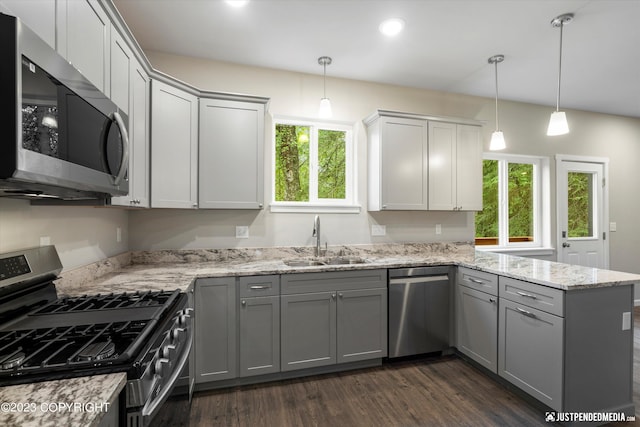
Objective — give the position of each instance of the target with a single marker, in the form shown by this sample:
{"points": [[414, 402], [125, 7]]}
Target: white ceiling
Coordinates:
{"points": [[444, 46]]}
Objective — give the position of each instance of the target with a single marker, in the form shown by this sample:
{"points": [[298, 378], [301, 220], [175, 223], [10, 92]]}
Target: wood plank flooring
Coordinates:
{"points": [[443, 391]]}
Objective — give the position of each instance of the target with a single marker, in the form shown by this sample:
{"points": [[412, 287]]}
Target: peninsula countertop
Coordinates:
{"points": [[176, 269]]}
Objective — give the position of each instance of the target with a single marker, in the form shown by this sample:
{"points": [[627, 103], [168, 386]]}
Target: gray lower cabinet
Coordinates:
{"points": [[531, 351], [259, 325], [216, 329], [333, 317], [477, 326]]}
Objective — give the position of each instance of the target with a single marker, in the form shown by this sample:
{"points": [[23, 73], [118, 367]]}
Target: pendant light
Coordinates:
{"points": [[497, 137], [558, 122], [325, 105]]}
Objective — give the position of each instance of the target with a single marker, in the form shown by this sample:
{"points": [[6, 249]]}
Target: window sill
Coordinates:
{"points": [[518, 251], [311, 208]]}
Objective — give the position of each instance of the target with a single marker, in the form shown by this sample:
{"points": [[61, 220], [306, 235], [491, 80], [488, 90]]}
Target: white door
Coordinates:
{"points": [[582, 213]]}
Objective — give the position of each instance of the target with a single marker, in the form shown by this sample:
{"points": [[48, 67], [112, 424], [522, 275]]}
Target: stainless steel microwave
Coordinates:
{"points": [[60, 136]]}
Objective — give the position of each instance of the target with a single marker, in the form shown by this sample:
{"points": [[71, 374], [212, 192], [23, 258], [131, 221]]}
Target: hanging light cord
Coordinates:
{"points": [[559, 68], [496, 66], [324, 73]]}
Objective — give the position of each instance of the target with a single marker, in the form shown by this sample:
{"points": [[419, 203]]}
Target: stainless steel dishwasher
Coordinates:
{"points": [[418, 310]]}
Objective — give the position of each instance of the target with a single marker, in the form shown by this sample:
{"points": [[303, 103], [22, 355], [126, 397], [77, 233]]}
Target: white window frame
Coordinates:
{"points": [[346, 205], [541, 244]]}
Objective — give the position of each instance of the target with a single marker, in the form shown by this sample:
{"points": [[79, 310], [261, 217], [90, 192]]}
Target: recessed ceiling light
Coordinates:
{"points": [[391, 27], [237, 3]]}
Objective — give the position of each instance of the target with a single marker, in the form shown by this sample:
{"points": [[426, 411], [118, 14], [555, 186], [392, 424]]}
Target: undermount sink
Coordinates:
{"points": [[338, 260]]}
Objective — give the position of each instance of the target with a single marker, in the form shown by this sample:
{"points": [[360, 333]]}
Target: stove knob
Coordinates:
{"points": [[157, 368], [182, 319], [166, 351], [174, 335]]}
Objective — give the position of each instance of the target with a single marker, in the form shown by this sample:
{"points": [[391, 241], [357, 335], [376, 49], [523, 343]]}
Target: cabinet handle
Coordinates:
{"points": [[384, 206], [526, 313], [244, 302], [479, 282], [492, 300], [524, 294], [258, 287]]}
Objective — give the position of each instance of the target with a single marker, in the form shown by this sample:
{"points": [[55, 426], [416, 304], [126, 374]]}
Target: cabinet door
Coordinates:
{"points": [[231, 159], [308, 330], [477, 326], [442, 166], [120, 71], [362, 325], [403, 177], [469, 168], [174, 147], [86, 41], [531, 351], [259, 335], [40, 17], [216, 331]]}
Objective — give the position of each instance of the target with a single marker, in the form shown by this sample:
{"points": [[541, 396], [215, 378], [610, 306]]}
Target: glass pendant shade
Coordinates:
{"points": [[558, 124], [497, 141], [325, 111]]}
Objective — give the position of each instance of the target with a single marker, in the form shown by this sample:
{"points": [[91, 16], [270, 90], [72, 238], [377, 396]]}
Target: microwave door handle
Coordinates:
{"points": [[124, 161]]}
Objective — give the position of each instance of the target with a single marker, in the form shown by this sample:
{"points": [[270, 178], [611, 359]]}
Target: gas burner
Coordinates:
{"points": [[11, 361], [97, 351]]}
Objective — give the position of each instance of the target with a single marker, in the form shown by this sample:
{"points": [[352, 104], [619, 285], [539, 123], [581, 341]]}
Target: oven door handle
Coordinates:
{"points": [[152, 406]]}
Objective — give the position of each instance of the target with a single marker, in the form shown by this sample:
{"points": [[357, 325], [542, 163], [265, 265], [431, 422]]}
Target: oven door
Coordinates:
{"points": [[169, 357]]}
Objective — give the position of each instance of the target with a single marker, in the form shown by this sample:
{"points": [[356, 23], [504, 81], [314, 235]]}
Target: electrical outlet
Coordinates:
{"points": [[378, 230], [626, 320], [45, 241], [438, 228], [118, 234], [242, 232]]}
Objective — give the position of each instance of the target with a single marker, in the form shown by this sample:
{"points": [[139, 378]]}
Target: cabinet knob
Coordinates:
{"points": [[260, 205], [243, 302], [195, 205], [492, 300], [340, 295], [384, 206], [333, 296]]}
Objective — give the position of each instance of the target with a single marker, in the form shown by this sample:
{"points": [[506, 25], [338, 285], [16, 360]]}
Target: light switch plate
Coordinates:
{"points": [[438, 228], [242, 232], [378, 230], [45, 241], [613, 226], [626, 320]]}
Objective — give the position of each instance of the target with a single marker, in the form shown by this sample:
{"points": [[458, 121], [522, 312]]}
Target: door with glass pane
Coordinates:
{"points": [[581, 214]]}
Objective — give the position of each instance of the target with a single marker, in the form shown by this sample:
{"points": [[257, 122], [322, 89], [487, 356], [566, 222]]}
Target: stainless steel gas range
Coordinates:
{"points": [[148, 335]]}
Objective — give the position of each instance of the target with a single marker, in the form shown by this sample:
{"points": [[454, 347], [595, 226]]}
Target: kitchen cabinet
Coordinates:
{"points": [[231, 154], [531, 341], [477, 317], [259, 323], [40, 19], [174, 147], [397, 150], [215, 329], [120, 71], [455, 167], [84, 39], [138, 175], [333, 317]]}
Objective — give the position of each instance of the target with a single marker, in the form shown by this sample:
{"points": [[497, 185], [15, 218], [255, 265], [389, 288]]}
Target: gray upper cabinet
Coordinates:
{"points": [[455, 167], [174, 147], [215, 330], [231, 158], [397, 163], [477, 316], [84, 39], [259, 325], [41, 18], [120, 71]]}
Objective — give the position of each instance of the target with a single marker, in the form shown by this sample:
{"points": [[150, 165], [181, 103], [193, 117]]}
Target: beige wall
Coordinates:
{"points": [[296, 94]]}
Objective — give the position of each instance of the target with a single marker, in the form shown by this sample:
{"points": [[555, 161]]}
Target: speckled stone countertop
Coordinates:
{"points": [[72, 402], [176, 269]]}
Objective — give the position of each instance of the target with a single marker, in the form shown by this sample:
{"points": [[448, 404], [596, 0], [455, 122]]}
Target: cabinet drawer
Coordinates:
{"points": [[259, 286], [299, 283], [485, 282], [530, 294]]}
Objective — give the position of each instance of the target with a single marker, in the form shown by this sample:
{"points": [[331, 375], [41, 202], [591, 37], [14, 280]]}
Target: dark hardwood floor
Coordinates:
{"points": [[443, 391]]}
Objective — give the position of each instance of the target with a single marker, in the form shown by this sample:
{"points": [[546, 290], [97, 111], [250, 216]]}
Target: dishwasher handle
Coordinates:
{"points": [[419, 279]]}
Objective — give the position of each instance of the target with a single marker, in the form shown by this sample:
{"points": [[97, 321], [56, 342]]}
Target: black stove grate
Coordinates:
{"points": [[105, 302]]}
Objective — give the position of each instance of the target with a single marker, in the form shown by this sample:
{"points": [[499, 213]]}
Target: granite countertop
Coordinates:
{"points": [[79, 401], [168, 270]]}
